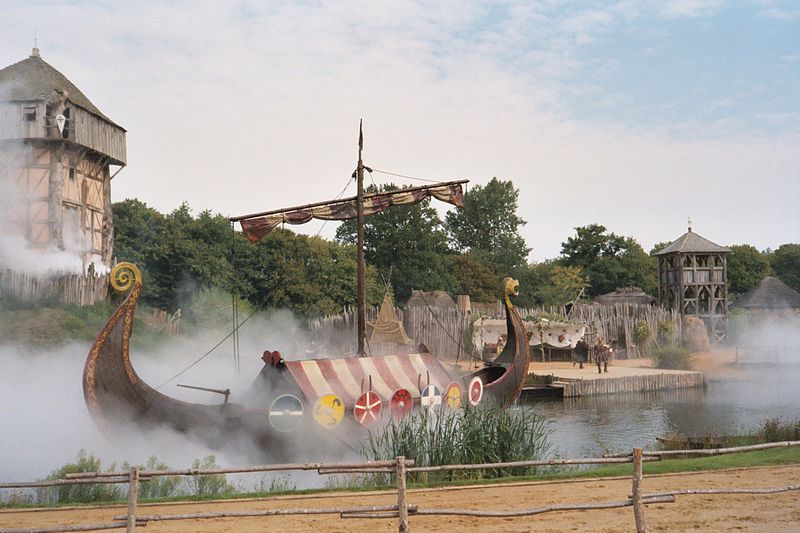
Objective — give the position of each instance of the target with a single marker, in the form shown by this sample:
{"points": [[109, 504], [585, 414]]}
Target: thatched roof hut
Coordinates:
{"points": [[433, 299], [630, 295], [770, 294]]}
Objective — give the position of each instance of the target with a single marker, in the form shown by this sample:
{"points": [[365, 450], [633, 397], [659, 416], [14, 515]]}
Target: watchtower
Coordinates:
{"points": [[693, 278], [56, 154]]}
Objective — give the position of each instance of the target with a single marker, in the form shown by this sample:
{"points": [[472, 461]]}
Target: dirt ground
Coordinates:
{"points": [[741, 512]]}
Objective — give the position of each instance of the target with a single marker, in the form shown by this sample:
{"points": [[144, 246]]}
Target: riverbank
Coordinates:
{"points": [[741, 512]]}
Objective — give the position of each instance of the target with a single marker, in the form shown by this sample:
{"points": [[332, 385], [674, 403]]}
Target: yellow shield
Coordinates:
{"points": [[329, 411]]}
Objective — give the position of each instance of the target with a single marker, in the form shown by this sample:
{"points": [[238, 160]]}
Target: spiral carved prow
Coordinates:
{"points": [[124, 275]]}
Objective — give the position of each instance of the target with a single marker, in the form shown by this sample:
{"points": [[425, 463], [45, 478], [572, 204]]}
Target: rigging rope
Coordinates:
{"points": [[458, 342], [404, 176], [226, 337], [349, 181]]}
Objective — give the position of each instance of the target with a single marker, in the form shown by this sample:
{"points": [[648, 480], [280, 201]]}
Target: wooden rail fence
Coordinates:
{"points": [[400, 466]]}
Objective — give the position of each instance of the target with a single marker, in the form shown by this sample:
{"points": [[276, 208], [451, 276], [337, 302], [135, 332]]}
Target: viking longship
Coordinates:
{"points": [[292, 394]]}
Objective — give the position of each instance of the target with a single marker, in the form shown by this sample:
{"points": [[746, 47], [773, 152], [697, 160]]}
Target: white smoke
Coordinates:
{"points": [[45, 422]]}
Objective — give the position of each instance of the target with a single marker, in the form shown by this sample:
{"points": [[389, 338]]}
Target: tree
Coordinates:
{"points": [[566, 283], [746, 267], [488, 226], [407, 245], [308, 275], [609, 260], [472, 276], [786, 264]]}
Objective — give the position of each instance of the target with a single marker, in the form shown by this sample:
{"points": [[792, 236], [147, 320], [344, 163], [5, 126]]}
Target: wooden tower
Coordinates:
{"points": [[56, 154], [693, 278]]}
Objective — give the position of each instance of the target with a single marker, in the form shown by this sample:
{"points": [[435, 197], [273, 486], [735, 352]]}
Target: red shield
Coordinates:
{"points": [[367, 408], [475, 390], [401, 403]]}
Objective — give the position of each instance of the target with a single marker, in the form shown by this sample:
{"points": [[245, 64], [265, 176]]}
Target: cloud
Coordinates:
{"points": [[249, 107]]}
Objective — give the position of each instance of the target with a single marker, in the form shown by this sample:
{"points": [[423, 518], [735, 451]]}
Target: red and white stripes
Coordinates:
{"points": [[347, 378]]}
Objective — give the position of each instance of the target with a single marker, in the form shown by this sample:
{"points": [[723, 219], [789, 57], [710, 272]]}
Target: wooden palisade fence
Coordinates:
{"points": [[69, 289], [447, 332], [402, 510]]}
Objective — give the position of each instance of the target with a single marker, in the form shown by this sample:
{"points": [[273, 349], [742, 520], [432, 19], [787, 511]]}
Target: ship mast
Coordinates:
{"points": [[260, 224], [362, 263]]}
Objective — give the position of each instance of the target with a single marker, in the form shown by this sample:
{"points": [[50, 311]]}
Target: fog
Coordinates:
{"points": [[46, 422]]}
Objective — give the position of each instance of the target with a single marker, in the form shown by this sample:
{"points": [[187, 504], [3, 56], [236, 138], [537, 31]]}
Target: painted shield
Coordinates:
{"points": [[329, 411], [452, 396], [475, 390], [431, 397], [286, 413], [401, 403], [367, 408]]}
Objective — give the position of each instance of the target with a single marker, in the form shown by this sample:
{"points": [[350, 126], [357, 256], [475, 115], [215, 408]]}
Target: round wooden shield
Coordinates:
{"points": [[431, 397], [367, 408], [286, 413], [401, 403], [452, 396], [475, 390], [329, 411]]}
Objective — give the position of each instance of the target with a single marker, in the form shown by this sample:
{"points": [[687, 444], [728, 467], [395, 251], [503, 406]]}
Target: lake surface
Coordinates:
{"points": [[589, 426]]}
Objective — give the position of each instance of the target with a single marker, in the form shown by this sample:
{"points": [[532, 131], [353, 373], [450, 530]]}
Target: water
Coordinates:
{"points": [[589, 426]]}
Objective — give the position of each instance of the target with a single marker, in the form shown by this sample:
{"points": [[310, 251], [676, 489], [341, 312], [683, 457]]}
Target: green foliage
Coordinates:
{"points": [[473, 435], [309, 275], [488, 226], [609, 260], [786, 264], [666, 332], [472, 276], [672, 357], [158, 486], [81, 493], [746, 267], [182, 256], [208, 484], [566, 283], [407, 244], [641, 336]]}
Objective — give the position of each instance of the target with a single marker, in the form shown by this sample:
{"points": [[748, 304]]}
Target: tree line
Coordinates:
{"points": [[407, 248]]}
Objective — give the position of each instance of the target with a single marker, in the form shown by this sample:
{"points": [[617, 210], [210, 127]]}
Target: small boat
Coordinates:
{"points": [[287, 395]]}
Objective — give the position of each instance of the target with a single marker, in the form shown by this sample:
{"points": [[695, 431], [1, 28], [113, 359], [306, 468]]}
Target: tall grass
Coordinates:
{"points": [[487, 434]]}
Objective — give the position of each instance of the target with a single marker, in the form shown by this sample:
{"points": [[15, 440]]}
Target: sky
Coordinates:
{"points": [[637, 115]]}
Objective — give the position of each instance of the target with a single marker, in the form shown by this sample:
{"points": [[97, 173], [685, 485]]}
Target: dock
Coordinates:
{"points": [[565, 381]]}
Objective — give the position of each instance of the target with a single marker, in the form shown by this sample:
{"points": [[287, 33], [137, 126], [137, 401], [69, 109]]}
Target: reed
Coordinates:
{"points": [[487, 434]]}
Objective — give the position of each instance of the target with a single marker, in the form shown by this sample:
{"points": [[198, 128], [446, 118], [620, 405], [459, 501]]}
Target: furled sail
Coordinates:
{"points": [[257, 227]]}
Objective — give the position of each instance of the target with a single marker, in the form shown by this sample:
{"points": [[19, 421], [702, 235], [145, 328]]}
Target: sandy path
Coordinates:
{"points": [[779, 512]]}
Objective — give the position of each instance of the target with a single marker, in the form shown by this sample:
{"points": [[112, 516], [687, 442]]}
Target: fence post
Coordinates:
{"points": [[133, 496], [402, 506], [636, 495]]}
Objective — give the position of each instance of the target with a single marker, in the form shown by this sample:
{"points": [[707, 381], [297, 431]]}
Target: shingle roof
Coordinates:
{"points": [[691, 242], [770, 293], [34, 79]]}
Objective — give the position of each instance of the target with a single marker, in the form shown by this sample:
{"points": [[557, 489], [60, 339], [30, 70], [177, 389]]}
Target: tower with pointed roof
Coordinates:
{"points": [[693, 278], [57, 153]]}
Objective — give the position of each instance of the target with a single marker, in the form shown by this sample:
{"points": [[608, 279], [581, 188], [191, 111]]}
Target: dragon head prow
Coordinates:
{"points": [[510, 288]]}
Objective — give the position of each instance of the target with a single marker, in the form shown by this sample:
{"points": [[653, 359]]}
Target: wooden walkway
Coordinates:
{"points": [[622, 377]]}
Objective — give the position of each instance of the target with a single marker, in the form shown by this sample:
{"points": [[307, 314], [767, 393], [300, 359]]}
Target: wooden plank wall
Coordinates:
{"points": [[643, 383]]}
